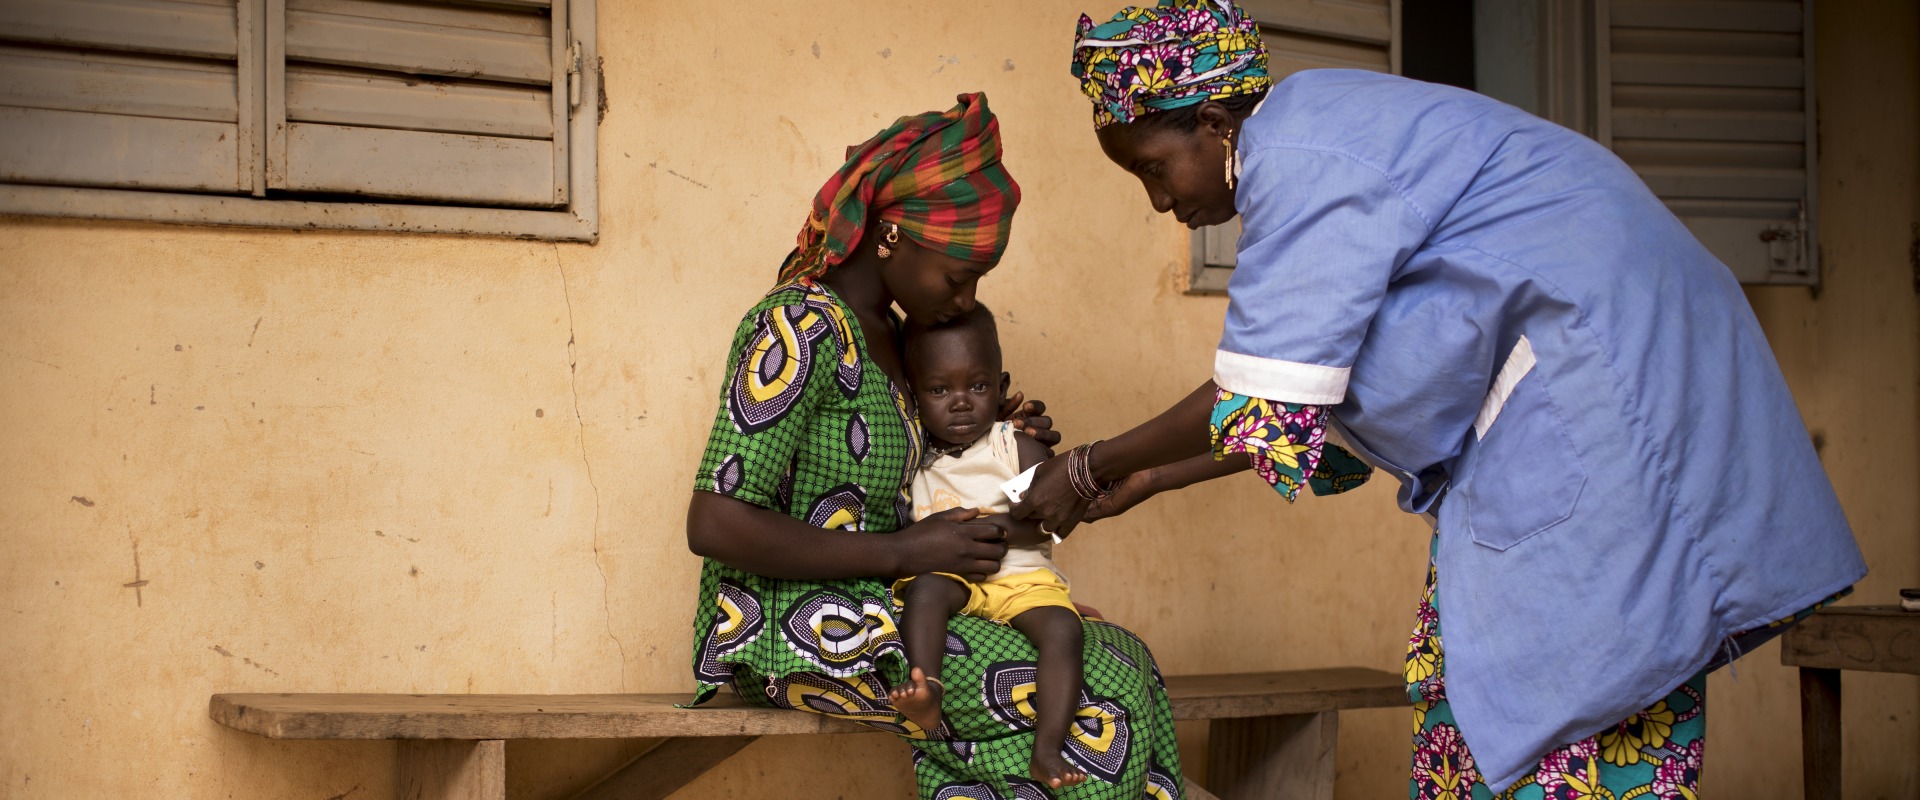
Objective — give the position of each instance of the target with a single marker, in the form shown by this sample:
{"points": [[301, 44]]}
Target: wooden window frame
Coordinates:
{"points": [[578, 220], [1575, 91], [1211, 263]]}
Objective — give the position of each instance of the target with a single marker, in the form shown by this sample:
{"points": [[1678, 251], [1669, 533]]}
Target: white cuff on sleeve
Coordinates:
{"points": [[1280, 381]]}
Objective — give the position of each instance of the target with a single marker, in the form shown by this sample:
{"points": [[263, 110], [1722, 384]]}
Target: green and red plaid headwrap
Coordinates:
{"points": [[938, 176]]}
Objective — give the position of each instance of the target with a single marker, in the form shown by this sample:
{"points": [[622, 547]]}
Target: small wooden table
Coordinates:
{"points": [[1272, 733], [1864, 638]]}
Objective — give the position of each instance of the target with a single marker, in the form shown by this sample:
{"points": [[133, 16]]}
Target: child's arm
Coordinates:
{"points": [[1024, 532], [1136, 488]]}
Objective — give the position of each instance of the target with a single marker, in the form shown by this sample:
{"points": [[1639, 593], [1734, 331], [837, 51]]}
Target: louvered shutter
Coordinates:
{"points": [[420, 100], [142, 94], [1302, 34], [1712, 104]]}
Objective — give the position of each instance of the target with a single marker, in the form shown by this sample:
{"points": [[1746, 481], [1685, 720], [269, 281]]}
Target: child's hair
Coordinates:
{"points": [[977, 324]]}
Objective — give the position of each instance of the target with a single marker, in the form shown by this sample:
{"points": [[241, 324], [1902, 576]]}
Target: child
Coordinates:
{"points": [[955, 370]]}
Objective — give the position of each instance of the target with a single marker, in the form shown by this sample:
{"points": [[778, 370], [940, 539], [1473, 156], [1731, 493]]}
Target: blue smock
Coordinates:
{"points": [[1498, 311]]}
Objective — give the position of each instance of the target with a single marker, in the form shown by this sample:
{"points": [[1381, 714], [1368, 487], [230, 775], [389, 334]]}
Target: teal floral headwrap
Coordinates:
{"points": [[1177, 53]]}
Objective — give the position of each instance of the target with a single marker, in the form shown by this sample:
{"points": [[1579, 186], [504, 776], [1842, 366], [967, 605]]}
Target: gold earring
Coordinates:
{"points": [[892, 238], [1231, 157]]}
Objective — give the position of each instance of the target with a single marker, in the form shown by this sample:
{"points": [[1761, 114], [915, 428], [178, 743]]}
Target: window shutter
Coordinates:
{"points": [[1711, 102], [420, 100], [126, 93], [1300, 35]]}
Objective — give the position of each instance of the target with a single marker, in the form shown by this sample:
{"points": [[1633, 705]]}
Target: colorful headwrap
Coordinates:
{"points": [[938, 176], [1177, 53]]}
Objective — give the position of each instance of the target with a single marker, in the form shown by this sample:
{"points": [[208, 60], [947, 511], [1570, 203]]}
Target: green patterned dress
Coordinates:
{"points": [[810, 427]]}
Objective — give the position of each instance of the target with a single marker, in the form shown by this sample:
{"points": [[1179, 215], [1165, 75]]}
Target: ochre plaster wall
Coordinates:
{"points": [[1851, 352], [298, 461]]}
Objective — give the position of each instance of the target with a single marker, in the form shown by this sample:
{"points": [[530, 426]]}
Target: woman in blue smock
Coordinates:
{"points": [[1498, 313]]}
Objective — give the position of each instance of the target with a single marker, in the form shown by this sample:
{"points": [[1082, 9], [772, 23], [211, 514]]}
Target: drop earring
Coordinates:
{"points": [[886, 242], [1231, 164]]}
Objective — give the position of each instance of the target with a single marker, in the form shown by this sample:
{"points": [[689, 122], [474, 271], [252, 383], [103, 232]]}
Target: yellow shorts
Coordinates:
{"points": [[1008, 597]]}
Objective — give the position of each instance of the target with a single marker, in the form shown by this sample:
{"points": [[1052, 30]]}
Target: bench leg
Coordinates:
{"points": [[1273, 757], [442, 769], [661, 771], [1820, 731]]}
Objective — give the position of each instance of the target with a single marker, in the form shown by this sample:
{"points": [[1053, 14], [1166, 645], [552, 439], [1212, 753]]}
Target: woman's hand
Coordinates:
{"points": [[1131, 491], [1031, 417], [1052, 500], [953, 541]]}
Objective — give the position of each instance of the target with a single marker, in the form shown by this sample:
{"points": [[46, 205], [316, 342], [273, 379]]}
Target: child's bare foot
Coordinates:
{"points": [[919, 699], [1053, 770]]}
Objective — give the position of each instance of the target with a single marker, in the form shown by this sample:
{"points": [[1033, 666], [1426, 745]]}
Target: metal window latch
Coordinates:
{"points": [[1780, 250], [573, 74]]}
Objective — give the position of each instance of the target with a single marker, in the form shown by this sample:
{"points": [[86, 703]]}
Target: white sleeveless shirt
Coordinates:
{"points": [[971, 479]]}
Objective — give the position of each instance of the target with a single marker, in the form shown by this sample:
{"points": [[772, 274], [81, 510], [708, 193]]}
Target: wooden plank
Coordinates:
{"points": [[1291, 756], [1696, 70], [558, 97], [639, 716], [1663, 152], [251, 96], [370, 99], [1710, 97], [480, 716], [1747, 183], [663, 770], [1288, 53], [1820, 732], [451, 770], [1367, 21], [375, 162], [80, 149], [418, 48], [276, 92], [1708, 125], [571, 225], [439, 14], [1293, 692], [1725, 15], [1602, 61], [1869, 638], [153, 26], [146, 86], [1714, 43], [1738, 242]]}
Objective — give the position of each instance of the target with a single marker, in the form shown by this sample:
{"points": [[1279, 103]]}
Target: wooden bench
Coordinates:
{"points": [[1861, 638], [1271, 735]]}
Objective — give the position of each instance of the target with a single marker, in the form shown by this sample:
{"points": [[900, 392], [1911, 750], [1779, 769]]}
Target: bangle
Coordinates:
{"points": [[1080, 474]]}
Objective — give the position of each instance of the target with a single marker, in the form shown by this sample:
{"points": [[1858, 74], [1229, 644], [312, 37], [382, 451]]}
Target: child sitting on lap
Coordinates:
{"points": [[955, 370]]}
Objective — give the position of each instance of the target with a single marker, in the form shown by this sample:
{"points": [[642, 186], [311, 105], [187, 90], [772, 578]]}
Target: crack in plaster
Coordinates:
{"points": [[580, 428]]}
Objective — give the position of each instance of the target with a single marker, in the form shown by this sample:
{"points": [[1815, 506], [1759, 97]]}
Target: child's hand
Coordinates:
{"points": [[1020, 533], [953, 541]]}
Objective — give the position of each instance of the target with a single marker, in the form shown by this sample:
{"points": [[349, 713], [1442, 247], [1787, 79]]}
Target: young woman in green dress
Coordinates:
{"points": [[801, 505]]}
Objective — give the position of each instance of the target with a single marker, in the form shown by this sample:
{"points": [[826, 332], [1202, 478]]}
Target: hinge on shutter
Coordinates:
{"points": [[1787, 245], [573, 74]]}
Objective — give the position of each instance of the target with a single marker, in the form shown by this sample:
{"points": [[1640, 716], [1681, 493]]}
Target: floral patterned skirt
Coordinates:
{"points": [[1653, 754]]}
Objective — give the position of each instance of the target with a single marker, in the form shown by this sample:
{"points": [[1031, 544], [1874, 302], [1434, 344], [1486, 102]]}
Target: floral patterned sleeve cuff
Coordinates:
{"points": [[1286, 443]]}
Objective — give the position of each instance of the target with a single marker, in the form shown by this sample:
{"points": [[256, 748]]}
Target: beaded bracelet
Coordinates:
{"points": [[1080, 474]]}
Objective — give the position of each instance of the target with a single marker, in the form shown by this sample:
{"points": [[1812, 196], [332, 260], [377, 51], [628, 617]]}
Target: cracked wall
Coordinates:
{"points": [[359, 462]]}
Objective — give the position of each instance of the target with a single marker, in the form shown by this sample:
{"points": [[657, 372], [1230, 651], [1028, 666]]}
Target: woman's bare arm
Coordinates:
{"points": [[1140, 486], [1176, 434], [753, 539]]}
